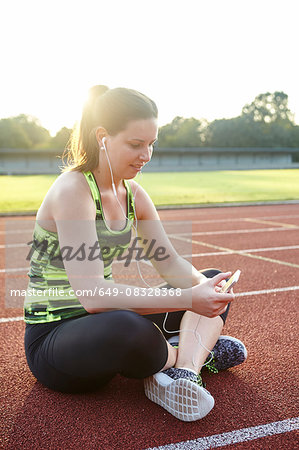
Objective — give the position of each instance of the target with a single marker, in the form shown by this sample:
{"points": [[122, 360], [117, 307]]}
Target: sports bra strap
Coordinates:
{"points": [[97, 199]]}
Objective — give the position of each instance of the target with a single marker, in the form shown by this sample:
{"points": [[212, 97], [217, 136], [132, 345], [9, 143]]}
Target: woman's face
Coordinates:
{"points": [[130, 149]]}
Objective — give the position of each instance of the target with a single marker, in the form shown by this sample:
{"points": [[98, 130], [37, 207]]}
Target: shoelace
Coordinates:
{"points": [[211, 366], [176, 374], [200, 382]]}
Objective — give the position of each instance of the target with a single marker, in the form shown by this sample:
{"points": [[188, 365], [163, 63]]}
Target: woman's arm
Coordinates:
{"points": [[174, 269]]}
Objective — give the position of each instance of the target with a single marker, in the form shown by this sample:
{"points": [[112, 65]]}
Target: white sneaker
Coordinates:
{"points": [[184, 399]]}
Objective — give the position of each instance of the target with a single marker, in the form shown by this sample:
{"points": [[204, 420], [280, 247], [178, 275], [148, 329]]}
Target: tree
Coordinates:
{"points": [[22, 132], [12, 135], [61, 138], [183, 132], [266, 122], [32, 127], [240, 132], [269, 108], [235, 132]]}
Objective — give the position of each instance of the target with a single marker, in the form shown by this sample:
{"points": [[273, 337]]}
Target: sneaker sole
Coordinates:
{"points": [[182, 398]]}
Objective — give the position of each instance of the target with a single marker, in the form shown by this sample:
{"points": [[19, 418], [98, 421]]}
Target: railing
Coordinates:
{"points": [[19, 161]]}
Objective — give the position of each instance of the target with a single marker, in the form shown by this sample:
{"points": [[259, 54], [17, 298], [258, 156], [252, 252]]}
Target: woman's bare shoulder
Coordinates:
{"points": [[73, 180], [69, 196]]}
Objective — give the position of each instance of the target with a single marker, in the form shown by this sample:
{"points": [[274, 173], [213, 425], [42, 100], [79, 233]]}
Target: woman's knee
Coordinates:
{"points": [[144, 335], [133, 328], [210, 273], [145, 350]]}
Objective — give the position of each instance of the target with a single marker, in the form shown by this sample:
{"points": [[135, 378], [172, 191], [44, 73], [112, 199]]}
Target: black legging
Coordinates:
{"points": [[82, 354]]}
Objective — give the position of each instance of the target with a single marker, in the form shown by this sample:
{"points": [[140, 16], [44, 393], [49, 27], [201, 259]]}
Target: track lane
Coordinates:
{"points": [[260, 391]]}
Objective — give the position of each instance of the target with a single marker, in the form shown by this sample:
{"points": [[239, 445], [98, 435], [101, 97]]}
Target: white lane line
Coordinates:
{"points": [[197, 255], [251, 250], [245, 231], [11, 319], [240, 219], [17, 231], [18, 269], [267, 291], [236, 252], [15, 245], [233, 219], [270, 249], [270, 222], [233, 437]]}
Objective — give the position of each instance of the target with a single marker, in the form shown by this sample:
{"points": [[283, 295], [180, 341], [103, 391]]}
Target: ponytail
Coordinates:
{"points": [[82, 151], [111, 109]]}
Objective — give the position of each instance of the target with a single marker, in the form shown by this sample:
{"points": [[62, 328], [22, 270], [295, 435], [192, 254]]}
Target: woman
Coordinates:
{"points": [[81, 327]]}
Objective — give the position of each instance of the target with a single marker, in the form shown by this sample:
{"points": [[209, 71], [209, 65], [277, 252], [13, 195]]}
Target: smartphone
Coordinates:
{"points": [[231, 282]]}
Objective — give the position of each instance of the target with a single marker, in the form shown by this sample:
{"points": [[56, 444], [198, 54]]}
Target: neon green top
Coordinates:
{"points": [[49, 294]]}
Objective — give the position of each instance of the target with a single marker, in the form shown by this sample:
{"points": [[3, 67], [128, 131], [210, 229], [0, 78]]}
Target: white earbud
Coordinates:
{"points": [[103, 147]]}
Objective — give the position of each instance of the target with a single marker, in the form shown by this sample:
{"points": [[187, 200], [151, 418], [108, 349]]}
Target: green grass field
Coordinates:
{"points": [[25, 193]]}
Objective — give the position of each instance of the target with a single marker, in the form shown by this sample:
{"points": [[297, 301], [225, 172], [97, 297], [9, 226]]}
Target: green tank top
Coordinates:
{"points": [[49, 294]]}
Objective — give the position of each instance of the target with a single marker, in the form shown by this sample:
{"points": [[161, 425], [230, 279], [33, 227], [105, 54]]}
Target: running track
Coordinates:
{"points": [[255, 404]]}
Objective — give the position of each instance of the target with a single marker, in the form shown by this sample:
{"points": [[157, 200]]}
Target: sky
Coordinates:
{"points": [[195, 58]]}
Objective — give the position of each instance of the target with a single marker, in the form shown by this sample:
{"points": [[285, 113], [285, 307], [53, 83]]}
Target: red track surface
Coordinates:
{"points": [[261, 391]]}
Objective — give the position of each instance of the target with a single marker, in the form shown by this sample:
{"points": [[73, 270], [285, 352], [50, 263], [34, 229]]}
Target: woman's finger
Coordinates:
{"points": [[223, 310], [221, 276]]}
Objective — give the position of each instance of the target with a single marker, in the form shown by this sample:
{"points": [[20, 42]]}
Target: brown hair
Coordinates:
{"points": [[111, 109]]}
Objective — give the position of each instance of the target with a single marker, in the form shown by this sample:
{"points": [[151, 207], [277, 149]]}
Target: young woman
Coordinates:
{"points": [[82, 328]]}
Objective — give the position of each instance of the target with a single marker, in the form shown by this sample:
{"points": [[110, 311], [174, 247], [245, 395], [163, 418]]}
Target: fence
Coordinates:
{"points": [[25, 162]]}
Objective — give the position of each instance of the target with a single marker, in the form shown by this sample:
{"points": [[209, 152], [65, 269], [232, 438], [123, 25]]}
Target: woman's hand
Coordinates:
{"points": [[206, 298]]}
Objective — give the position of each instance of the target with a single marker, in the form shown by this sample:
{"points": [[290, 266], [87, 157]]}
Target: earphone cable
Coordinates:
{"points": [[196, 334]]}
